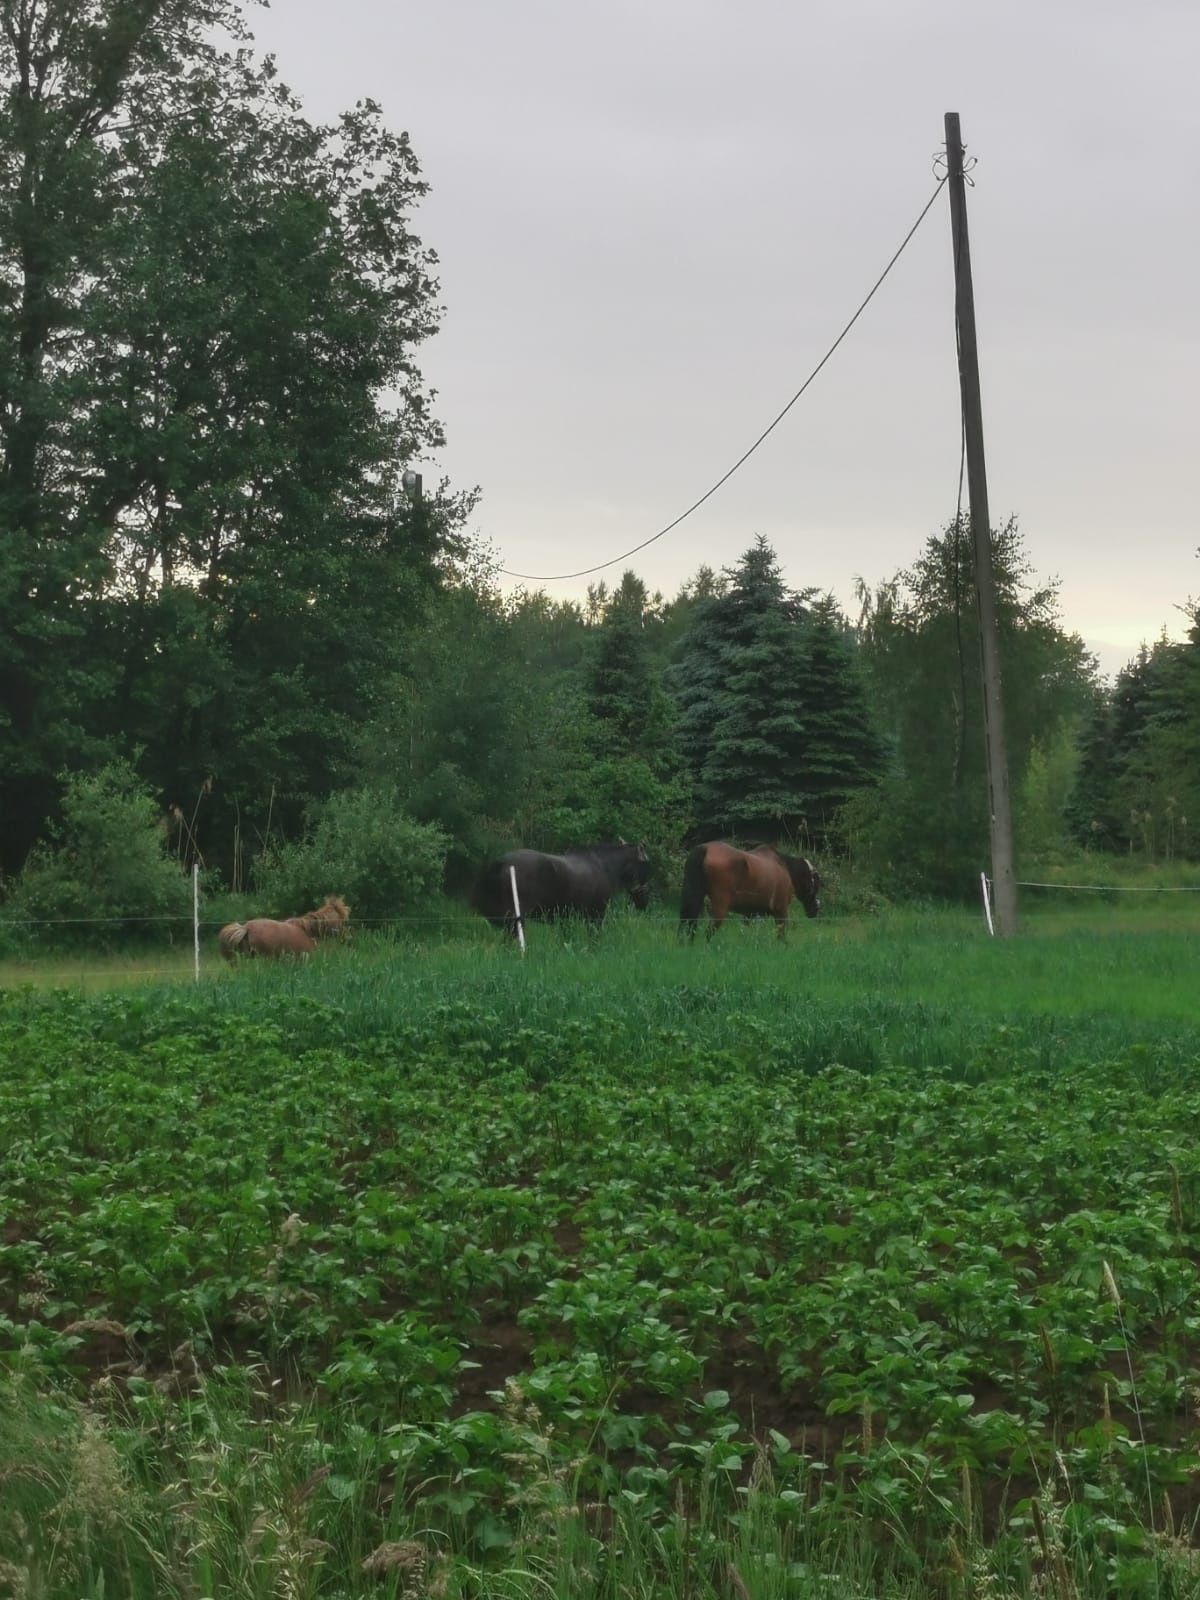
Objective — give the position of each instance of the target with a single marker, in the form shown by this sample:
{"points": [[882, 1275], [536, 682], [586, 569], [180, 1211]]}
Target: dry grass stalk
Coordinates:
{"points": [[1176, 1197], [406, 1558], [1047, 1350], [98, 1488], [737, 1584], [86, 1325]]}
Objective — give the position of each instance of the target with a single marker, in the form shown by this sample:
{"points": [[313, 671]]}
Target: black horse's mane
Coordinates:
{"points": [[610, 849]]}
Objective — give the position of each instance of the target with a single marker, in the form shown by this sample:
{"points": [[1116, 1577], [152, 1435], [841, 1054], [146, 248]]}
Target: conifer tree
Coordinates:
{"points": [[623, 689], [774, 717], [843, 749]]}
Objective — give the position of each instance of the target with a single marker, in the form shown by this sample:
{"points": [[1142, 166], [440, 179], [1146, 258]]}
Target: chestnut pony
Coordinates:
{"points": [[760, 882], [262, 936]]}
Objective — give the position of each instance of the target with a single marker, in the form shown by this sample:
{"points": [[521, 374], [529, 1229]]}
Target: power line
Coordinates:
{"points": [[584, 572]]}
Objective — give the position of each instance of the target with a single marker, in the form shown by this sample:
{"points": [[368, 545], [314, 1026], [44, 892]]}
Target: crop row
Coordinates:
{"points": [[911, 1287]]}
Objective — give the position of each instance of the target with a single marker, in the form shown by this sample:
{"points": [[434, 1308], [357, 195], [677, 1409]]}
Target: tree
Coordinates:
{"points": [[773, 713], [927, 825], [843, 751], [623, 691], [478, 721], [1091, 809], [104, 872], [630, 782], [1137, 783], [203, 302]]}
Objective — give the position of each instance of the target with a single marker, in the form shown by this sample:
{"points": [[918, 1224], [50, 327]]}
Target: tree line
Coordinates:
{"points": [[222, 619]]}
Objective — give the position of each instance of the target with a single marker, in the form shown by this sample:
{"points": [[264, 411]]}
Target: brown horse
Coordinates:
{"points": [[760, 882], [262, 936]]}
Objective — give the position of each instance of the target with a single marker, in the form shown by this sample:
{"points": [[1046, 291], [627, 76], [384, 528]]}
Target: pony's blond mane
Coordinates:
{"points": [[329, 918]]}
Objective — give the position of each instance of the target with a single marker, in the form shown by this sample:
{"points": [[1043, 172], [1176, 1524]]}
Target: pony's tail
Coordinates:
{"points": [[230, 940], [695, 887]]}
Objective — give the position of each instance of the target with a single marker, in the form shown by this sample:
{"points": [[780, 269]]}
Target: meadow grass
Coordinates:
{"points": [[913, 976]]}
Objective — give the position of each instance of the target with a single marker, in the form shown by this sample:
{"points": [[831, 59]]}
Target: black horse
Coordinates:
{"points": [[577, 883]]}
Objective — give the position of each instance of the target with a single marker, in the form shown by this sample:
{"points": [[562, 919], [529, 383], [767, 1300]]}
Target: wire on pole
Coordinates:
{"points": [[584, 572]]}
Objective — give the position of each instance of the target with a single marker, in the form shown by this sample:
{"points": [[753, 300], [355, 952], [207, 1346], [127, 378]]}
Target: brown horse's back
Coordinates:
{"points": [[752, 882]]}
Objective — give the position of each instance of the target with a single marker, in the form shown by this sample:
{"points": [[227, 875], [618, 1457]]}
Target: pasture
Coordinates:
{"points": [[864, 1264]]}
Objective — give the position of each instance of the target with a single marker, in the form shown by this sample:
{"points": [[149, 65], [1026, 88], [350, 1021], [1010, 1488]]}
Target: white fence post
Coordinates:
{"points": [[196, 917], [987, 903], [512, 878]]}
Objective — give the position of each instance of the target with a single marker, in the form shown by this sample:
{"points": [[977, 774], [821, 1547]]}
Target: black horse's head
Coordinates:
{"points": [[806, 881], [635, 874]]}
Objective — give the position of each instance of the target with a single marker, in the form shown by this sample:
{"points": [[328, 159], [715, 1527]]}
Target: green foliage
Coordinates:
{"points": [[773, 711], [363, 846], [105, 873], [739, 684], [1046, 788], [626, 780], [617, 796], [1140, 754], [475, 730], [843, 752], [624, 691], [207, 326], [654, 1246], [925, 830]]}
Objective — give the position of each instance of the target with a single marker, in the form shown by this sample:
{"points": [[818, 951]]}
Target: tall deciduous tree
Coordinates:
{"points": [[204, 300]]}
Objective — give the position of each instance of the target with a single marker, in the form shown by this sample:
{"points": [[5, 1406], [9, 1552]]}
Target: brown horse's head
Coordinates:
{"points": [[806, 881]]}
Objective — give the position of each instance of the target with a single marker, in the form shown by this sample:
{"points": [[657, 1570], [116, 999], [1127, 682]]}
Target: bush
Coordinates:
{"points": [[106, 864], [916, 847], [364, 846]]}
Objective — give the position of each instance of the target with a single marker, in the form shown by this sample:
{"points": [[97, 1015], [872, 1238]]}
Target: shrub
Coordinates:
{"points": [[106, 864], [364, 846]]}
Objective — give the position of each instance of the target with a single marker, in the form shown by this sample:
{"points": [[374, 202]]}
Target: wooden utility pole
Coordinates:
{"points": [[999, 809]]}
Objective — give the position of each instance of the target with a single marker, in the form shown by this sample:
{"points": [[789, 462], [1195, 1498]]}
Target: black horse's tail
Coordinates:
{"points": [[695, 887], [492, 894]]}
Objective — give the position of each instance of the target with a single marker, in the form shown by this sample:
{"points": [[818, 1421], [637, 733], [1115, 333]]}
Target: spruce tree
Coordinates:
{"points": [[774, 718], [623, 690], [627, 779], [1091, 810], [843, 750], [740, 695]]}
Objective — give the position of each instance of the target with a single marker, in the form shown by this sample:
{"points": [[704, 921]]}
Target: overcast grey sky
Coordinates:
{"points": [[653, 217]]}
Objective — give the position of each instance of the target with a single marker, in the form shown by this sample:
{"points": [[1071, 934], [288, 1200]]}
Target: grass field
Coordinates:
{"points": [[861, 1265]]}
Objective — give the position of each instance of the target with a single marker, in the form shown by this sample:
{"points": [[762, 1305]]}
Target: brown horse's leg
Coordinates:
{"points": [[718, 910]]}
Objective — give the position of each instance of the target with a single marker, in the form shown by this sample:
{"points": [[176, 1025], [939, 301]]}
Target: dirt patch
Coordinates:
{"points": [[502, 1350], [568, 1238], [763, 1401]]}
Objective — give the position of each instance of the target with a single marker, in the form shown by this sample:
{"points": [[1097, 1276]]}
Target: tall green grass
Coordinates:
{"points": [[241, 1495]]}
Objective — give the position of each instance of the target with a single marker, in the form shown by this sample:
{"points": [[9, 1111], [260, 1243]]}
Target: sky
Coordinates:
{"points": [[654, 216]]}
